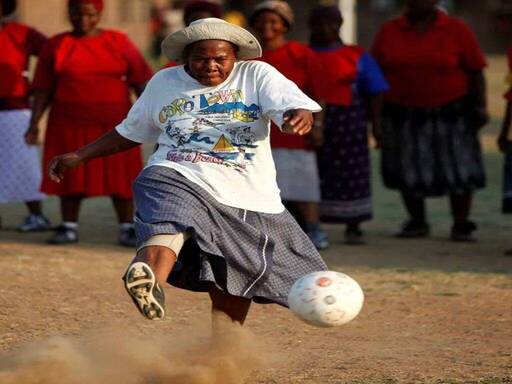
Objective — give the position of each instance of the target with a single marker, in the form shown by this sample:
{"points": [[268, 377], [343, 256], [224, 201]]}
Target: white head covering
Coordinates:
{"points": [[211, 29]]}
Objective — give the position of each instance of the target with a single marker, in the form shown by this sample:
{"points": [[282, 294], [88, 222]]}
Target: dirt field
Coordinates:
{"points": [[435, 312]]}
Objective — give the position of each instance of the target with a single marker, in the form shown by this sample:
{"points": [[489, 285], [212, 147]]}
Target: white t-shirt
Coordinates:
{"points": [[218, 137]]}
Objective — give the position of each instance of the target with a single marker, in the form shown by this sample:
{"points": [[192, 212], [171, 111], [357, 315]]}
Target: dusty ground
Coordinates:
{"points": [[435, 312]]}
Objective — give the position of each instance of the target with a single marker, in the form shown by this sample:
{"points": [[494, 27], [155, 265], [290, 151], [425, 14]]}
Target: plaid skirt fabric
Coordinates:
{"points": [[431, 152], [248, 254]]}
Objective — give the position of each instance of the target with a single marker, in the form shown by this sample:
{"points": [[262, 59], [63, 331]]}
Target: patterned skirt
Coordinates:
{"points": [[344, 165], [20, 164], [248, 254], [431, 152]]}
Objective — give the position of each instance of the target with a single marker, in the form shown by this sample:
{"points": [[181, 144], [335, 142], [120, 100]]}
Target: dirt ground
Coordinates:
{"points": [[435, 311]]}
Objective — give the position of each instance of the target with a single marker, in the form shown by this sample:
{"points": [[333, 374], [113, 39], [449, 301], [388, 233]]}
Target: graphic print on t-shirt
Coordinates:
{"points": [[212, 128]]}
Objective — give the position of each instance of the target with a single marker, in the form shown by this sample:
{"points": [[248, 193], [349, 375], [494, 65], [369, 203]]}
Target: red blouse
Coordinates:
{"points": [[334, 73], [293, 61], [427, 69], [91, 76], [17, 43]]}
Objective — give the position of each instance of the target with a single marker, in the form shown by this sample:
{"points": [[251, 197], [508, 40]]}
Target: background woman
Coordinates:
{"points": [[432, 115], [85, 76], [349, 82], [295, 159], [20, 168]]}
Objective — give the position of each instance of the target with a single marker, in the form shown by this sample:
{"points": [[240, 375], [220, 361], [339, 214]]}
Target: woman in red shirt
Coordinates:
{"points": [[348, 82], [20, 168], [86, 76], [295, 159], [432, 113]]}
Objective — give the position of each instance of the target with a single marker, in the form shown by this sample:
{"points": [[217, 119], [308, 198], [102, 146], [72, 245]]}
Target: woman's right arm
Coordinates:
{"points": [[108, 144], [42, 99], [505, 127]]}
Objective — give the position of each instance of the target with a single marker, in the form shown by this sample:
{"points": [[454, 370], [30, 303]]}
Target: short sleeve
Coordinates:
{"points": [[370, 79], [277, 94], [138, 126], [35, 41], [139, 71], [45, 77], [472, 56]]}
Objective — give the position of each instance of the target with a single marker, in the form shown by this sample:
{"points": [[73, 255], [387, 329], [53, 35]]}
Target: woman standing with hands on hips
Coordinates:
{"points": [[432, 114], [86, 76], [209, 217]]}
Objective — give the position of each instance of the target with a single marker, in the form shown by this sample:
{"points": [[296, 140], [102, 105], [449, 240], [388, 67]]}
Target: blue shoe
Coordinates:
{"points": [[317, 236], [34, 223]]}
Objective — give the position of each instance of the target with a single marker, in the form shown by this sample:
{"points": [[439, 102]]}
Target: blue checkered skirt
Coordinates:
{"points": [[249, 254]]}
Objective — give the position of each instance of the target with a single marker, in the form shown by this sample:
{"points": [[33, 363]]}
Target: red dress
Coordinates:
{"points": [[90, 79], [293, 61]]}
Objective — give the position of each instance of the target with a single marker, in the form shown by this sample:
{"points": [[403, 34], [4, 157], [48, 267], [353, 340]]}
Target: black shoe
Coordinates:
{"points": [[463, 232], [414, 229], [63, 235], [146, 293], [354, 236], [127, 237]]}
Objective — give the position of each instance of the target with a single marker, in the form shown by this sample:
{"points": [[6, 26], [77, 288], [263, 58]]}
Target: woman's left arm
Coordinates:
{"points": [[478, 98]]}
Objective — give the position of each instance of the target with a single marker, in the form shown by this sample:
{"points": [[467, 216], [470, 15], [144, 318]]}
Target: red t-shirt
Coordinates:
{"points": [[91, 76], [17, 43], [427, 69], [334, 73], [293, 60]]}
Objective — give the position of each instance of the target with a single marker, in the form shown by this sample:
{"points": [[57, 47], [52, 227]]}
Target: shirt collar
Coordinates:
{"points": [[441, 20]]}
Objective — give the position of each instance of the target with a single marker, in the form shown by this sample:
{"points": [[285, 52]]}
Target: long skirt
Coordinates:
{"points": [[249, 254], [20, 164], [106, 176], [344, 165], [431, 152]]}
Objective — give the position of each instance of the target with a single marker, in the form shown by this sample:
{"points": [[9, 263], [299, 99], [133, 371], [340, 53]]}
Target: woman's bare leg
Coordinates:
{"points": [[160, 259], [234, 307]]}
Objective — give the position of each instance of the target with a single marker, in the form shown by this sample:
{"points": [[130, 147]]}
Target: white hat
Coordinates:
{"points": [[212, 29]]}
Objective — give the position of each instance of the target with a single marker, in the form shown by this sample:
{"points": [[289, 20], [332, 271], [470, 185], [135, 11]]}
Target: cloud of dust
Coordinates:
{"points": [[192, 357]]}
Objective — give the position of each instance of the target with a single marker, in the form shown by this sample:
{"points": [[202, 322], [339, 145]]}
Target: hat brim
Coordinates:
{"points": [[248, 46]]}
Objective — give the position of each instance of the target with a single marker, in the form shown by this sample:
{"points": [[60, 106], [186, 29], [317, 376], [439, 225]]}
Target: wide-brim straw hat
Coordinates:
{"points": [[212, 29]]}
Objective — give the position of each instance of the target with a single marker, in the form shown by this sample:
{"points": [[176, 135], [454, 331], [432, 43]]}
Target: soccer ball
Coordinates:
{"points": [[326, 298]]}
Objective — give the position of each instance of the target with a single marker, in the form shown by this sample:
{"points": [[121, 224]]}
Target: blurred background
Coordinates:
{"points": [[145, 21]]}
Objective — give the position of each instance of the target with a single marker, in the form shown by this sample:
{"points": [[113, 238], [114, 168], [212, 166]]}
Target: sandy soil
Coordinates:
{"points": [[435, 311]]}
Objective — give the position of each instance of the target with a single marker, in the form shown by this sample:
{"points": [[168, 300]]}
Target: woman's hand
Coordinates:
{"points": [[377, 136], [32, 135], [480, 117], [297, 121], [60, 163]]}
